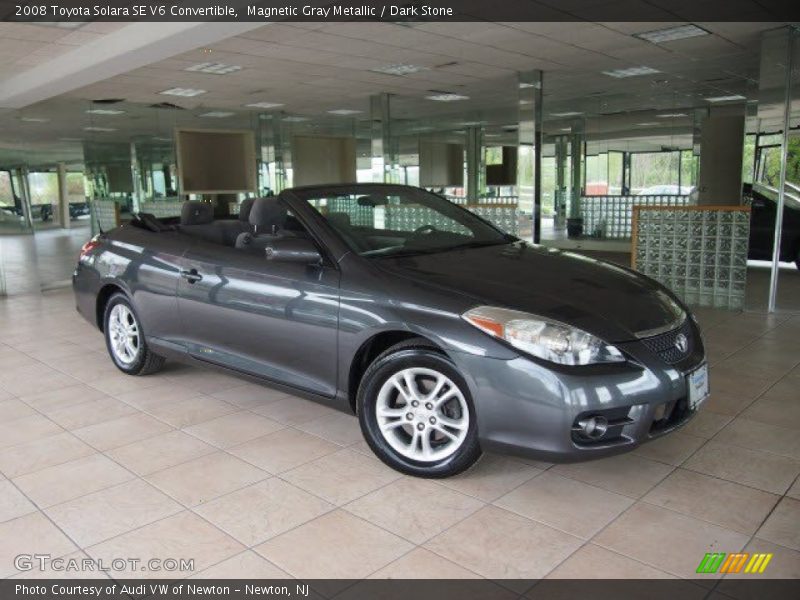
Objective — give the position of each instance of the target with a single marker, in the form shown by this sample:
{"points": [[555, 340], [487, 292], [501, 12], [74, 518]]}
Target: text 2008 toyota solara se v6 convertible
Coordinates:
{"points": [[443, 334]]}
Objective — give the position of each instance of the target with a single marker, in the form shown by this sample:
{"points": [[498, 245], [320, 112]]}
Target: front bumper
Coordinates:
{"points": [[530, 408]]}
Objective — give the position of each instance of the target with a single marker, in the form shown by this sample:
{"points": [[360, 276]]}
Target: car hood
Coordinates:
{"points": [[609, 301]]}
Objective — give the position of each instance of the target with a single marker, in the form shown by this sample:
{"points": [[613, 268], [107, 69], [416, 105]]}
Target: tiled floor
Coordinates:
{"points": [[252, 482]]}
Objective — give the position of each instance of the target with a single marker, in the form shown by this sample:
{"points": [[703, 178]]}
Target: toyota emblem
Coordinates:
{"points": [[682, 343]]}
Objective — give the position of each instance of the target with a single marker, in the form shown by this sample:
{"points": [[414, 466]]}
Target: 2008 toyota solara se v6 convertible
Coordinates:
{"points": [[444, 335]]}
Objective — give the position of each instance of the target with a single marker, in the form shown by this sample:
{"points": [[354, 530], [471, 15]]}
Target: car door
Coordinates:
{"points": [[274, 320], [762, 228]]}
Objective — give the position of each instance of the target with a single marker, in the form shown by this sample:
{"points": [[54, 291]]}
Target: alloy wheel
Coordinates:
{"points": [[124, 334]]}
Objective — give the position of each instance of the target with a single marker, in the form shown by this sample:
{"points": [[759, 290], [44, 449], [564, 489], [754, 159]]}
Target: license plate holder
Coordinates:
{"points": [[697, 384]]}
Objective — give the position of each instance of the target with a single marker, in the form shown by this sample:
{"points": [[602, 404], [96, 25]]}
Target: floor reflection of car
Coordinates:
{"points": [[764, 209]]}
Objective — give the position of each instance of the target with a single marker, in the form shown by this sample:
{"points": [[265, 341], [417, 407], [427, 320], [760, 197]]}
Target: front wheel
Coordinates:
{"points": [[125, 340], [416, 412]]}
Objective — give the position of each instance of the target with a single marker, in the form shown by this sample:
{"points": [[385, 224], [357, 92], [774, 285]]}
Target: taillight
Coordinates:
{"points": [[90, 245]]}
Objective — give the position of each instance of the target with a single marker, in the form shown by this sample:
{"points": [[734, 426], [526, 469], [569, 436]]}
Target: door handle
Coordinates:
{"points": [[192, 276]]}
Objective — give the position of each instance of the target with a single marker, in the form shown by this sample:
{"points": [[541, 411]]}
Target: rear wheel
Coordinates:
{"points": [[416, 412], [125, 340]]}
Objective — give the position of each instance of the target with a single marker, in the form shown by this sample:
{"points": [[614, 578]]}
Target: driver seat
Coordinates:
{"points": [[267, 218]]}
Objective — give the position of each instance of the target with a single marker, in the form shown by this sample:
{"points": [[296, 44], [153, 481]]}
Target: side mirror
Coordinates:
{"points": [[294, 250]]}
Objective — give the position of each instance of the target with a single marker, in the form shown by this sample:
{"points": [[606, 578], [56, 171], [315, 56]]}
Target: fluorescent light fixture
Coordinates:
{"points": [[671, 115], [295, 119], [524, 85], [70, 139], [183, 92], [214, 68], [263, 105], [670, 34], [566, 114], [631, 72], [447, 97], [399, 69], [34, 119], [93, 128], [343, 112], [104, 111], [162, 139], [566, 129], [650, 124], [731, 98], [472, 123], [217, 114]]}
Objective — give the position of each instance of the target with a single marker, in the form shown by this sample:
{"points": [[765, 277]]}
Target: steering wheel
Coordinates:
{"points": [[425, 229]]}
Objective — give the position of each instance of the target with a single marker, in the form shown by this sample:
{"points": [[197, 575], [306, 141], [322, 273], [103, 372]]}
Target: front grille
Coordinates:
{"points": [[664, 344]]}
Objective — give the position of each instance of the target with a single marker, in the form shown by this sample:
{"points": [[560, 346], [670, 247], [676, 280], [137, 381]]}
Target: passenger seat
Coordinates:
{"points": [[232, 229], [268, 219]]}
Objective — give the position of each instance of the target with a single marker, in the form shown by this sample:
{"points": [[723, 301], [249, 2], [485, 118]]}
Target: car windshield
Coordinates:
{"points": [[382, 221]]}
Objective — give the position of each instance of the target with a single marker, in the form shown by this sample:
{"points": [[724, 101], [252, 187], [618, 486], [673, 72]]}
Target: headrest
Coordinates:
{"points": [[244, 209], [194, 212], [267, 214], [339, 218]]}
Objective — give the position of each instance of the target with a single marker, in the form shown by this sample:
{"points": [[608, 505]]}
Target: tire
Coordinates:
{"points": [[131, 356], [436, 438]]}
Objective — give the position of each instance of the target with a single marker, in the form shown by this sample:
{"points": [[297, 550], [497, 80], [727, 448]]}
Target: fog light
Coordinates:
{"points": [[594, 427]]}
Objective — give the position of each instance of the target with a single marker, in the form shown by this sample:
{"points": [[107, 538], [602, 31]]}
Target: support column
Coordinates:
{"points": [[385, 163], [476, 169], [274, 151], [137, 195], [562, 193], [529, 160], [63, 196], [25, 196]]}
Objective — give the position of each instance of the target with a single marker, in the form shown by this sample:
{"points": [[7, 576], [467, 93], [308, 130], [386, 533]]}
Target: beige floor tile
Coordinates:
{"points": [[774, 412], [163, 392], [181, 536], [119, 383], [718, 501], [247, 565], [258, 512], [91, 413], [667, 540], [566, 504], [283, 450], [71, 395], [492, 477], [762, 470], [113, 511], [501, 545], [205, 478], [422, 564], [672, 449], [39, 454], [341, 428], [335, 545], [250, 395], [596, 562], [414, 509], [30, 534], [725, 403], [233, 429], [26, 429], [294, 411], [161, 451], [794, 491], [784, 391], [73, 479], [783, 525], [122, 431], [202, 380], [341, 477], [705, 424], [13, 503], [86, 370], [625, 474], [760, 436], [14, 409], [191, 411], [23, 385]]}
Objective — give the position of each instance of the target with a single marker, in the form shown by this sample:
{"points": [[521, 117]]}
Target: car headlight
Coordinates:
{"points": [[543, 338]]}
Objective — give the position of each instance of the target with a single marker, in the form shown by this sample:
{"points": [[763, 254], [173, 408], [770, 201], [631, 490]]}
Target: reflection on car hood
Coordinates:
{"points": [[602, 298]]}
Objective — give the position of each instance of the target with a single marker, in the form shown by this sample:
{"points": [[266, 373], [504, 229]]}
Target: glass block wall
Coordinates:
{"points": [[163, 208], [105, 215], [409, 218], [609, 217], [700, 253]]}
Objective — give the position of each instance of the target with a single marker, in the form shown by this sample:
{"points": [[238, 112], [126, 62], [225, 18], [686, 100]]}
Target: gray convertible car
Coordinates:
{"points": [[446, 336]]}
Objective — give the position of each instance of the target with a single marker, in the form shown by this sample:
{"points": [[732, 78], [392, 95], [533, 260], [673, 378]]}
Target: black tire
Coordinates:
{"points": [[416, 353], [145, 361]]}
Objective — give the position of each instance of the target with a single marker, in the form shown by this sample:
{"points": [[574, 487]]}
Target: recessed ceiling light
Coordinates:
{"points": [[566, 129], [217, 114], [650, 124], [70, 139], [670, 34], [34, 119], [566, 114], [447, 97], [524, 85], [92, 128], [344, 112], [104, 111], [263, 105], [295, 119], [399, 69], [214, 68], [631, 72], [162, 139], [726, 98], [671, 115], [491, 135], [184, 92]]}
